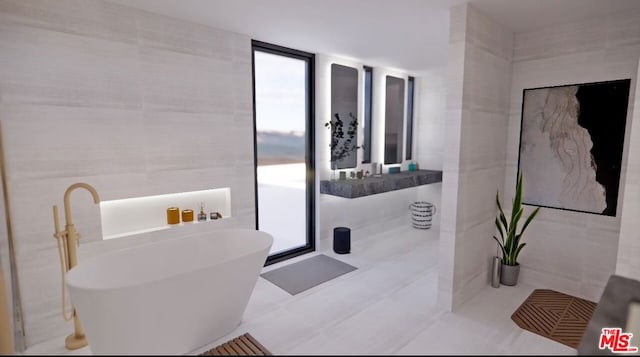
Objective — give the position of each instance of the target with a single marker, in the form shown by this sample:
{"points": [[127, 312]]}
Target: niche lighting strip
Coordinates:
{"points": [[135, 215], [167, 195]]}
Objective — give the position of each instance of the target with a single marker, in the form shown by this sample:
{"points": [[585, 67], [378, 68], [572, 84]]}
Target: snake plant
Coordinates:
{"points": [[509, 241]]}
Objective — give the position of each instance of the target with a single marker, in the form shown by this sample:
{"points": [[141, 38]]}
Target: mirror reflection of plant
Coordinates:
{"points": [[340, 148]]}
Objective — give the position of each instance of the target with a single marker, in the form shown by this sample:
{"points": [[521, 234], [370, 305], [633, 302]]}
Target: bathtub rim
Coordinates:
{"points": [[70, 284]]}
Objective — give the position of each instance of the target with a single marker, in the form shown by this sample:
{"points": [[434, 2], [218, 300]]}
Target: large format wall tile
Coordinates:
{"points": [[474, 151], [589, 35], [576, 248], [481, 147], [478, 189], [431, 110], [130, 102], [166, 33], [179, 82], [54, 68], [99, 19], [63, 141], [487, 35], [181, 141], [490, 75], [242, 84], [628, 263]]}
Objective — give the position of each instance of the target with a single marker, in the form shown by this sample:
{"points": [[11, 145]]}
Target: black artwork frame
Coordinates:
{"points": [[602, 112]]}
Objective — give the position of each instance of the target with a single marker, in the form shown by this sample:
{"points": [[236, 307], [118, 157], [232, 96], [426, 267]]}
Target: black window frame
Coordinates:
{"points": [[410, 106], [309, 145], [367, 113]]}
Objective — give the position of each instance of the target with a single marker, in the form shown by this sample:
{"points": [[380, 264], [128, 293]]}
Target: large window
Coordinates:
{"points": [[284, 156]]}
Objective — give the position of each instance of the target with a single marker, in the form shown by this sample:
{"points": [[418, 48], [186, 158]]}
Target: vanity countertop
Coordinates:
{"points": [[611, 312], [371, 185]]}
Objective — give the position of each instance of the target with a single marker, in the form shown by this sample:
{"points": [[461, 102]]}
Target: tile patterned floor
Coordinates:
{"points": [[387, 306]]}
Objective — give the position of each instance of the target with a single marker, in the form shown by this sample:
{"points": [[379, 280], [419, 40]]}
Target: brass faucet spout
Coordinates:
{"points": [[70, 257], [67, 194]]}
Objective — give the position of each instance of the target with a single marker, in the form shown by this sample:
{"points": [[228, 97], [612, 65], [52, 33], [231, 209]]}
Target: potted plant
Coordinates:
{"points": [[341, 147], [510, 239]]}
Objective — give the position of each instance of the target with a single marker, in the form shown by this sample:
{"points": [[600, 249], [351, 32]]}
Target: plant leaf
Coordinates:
{"points": [[516, 244], [515, 218], [504, 253], [529, 219], [515, 256], [517, 199], [499, 243], [503, 219], [510, 245], [513, 238], [500, 229], [511, 234]]}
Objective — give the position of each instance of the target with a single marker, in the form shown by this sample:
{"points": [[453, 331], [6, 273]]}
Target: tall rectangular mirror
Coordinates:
{"points": [[344, 107], [393, 120]]}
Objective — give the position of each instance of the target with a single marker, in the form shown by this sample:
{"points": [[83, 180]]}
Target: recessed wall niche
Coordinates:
{"points": [[344, 105], [130, 216]]}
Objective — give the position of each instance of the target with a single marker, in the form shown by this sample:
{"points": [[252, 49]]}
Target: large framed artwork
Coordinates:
{"points": [[571, 144]]}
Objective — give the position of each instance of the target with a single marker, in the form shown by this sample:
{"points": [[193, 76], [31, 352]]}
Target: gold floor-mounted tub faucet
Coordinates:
{"points": [[68, 241]]}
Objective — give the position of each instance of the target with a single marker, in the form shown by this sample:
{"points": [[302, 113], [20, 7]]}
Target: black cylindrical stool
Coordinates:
{"points": [[341, 240]]}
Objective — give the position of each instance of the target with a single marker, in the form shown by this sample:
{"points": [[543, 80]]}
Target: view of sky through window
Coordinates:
{"points": [[280, 93]]}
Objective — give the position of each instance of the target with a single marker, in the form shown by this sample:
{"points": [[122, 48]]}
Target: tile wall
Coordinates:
{"points": [[130, 102]]}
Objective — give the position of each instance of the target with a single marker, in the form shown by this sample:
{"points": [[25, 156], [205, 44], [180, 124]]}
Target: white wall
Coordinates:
{"points": [[137, 104], [431, 112], [130, 102], [478, 77], [5, 266], [570, 251], [379, 211], [628, 263]]}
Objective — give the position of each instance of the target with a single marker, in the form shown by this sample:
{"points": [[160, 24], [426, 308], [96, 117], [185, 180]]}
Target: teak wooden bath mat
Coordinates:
{"points": [[244, 345], [554, 315]]}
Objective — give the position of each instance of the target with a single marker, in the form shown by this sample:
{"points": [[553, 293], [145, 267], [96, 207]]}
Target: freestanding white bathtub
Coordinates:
{"points": [[169, 297]]}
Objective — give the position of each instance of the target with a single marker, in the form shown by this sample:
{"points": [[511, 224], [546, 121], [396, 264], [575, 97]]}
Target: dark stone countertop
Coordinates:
{"points": [[354, 188], [611, 311]]}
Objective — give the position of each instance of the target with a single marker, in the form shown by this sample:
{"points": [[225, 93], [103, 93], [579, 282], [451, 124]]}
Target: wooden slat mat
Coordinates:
{"points": [[554, 315], [244, 345]]}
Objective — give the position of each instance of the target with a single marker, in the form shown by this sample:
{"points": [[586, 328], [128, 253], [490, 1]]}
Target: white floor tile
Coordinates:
{"points": [[386, 306]]}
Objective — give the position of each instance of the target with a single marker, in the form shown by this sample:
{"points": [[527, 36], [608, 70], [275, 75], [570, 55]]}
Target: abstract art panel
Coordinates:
{"points": [[571, 144]]}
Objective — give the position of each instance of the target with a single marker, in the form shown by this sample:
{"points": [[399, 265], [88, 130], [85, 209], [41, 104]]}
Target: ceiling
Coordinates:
{"points": [[409, 35]]}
